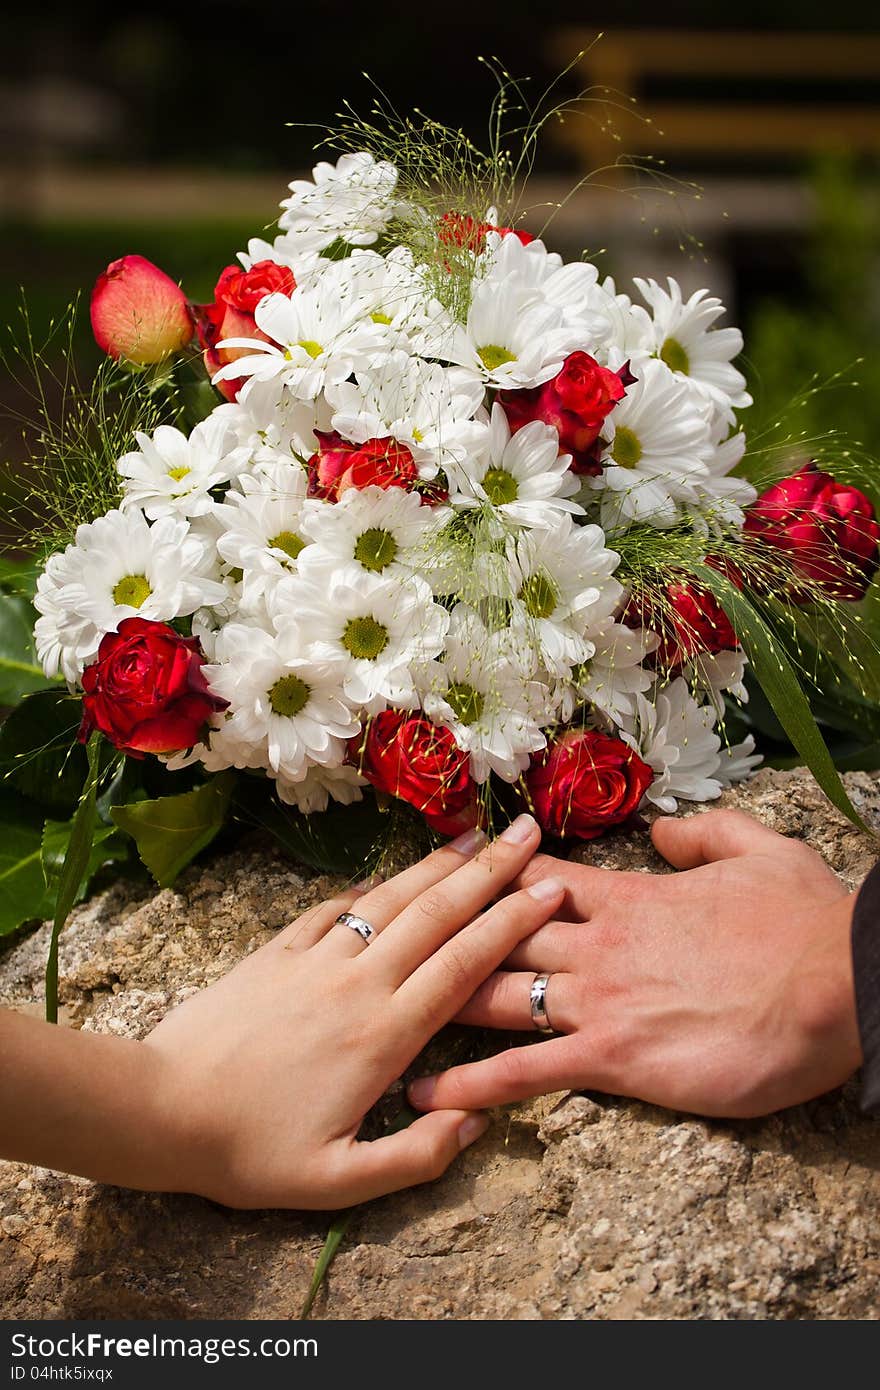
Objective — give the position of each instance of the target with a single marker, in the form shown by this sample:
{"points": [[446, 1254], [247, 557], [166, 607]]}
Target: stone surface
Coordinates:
{"points": [[571, 1207]]}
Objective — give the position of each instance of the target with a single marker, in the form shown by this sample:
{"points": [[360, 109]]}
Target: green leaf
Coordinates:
{"points": [[39, 755], [24, 895], [328, 1254], [108, 847], [779, 683], [74, 870], [20, 671], [342, 839], [19, 576], [170, 831]]}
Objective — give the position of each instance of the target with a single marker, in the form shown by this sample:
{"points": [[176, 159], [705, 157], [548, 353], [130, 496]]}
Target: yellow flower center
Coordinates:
{"points": [[364, 638], [178, 473], [289, 695], [310, 346], [380, 318], [375, 549], [492, 356], [465, 702], [539, 595], [626, 449], [131, 591], [675, 356], [500, 486], [289, 542]]}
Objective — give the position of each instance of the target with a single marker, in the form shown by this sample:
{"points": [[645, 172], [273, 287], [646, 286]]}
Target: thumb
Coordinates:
{"points": [[704, 838], [419, 1153]]}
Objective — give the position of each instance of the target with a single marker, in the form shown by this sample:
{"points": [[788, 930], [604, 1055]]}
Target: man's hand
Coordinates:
{"points": [[724, 990]]}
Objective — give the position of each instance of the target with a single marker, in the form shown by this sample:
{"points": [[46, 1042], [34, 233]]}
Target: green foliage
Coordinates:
{"points": [[342, 839], [170, 832], [39, 757]]}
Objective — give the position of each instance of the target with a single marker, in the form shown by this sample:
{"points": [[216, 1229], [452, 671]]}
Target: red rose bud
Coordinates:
{"points": [[585, 782], [828, 531], [689, 621], [576, 403], [243, 289], [460, 229], [138, 313], [339, 465], [146, 692], [408, 757]]}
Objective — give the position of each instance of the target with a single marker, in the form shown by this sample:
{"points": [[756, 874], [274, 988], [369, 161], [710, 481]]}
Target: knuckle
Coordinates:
{"points": [[454, 960], [433, 905]]}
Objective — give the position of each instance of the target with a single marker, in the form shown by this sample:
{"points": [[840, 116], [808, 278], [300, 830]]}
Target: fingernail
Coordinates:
{"points": [[421, 1091], [468, 842], [522, 829], [546, 888], [471, 1129]]}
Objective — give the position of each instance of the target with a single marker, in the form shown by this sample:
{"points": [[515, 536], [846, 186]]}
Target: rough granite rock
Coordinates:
{"points": [[571, 1207]]}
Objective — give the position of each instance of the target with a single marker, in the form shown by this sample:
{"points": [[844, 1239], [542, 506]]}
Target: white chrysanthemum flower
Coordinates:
{"points": [[319, 337], [620, 323], [613, 676], [383, 530], [390, 292], [118, 567], [274, 427], [286, 706], [737, 762], [515, 336], [478, 690], [429, 408], [172, 475], [379, 627], [685, 339], [658, 449], [674, 735], [721, 499], [351, 201], [556, 580], [569, 287], [320, 786], [716, 672], [523, 476], [262, 520]]}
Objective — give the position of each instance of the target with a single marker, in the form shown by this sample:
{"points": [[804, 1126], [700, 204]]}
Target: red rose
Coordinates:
{"points": [[146, 692], [236, 296], [828, 531], [575, 403], [584, 783], [406, 756], [139, 313], [688, 620], [339, 465], [460, 229], [243, 289]]}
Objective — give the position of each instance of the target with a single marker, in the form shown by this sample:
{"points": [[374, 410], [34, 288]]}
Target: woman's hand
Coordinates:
{"points": [[267, 1075], [723, 990]]}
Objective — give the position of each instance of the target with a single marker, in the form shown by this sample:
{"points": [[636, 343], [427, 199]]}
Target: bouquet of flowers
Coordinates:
{"points": [[461, 531]]}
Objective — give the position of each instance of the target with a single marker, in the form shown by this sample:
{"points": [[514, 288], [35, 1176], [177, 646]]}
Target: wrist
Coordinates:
{"points": [[824, 993]]}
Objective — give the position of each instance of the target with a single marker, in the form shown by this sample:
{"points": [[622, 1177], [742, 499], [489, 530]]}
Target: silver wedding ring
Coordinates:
{"points": [[538, 1004], [358, 924]]}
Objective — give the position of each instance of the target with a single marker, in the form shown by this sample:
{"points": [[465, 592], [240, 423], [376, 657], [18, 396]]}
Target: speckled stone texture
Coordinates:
{"points": [[571, 1207]]}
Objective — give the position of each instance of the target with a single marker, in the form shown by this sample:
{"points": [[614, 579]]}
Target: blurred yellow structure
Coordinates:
{"points": [[618, 66]]}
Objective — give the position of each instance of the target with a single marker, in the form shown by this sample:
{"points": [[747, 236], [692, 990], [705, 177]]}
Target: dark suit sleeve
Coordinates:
{"points": [[866, 968]]}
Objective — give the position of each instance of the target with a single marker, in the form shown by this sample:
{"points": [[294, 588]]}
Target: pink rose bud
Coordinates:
{"points": [[139, 313]]}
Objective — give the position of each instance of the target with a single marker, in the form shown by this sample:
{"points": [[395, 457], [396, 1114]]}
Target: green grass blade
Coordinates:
{"points": [[335, 1237]]}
